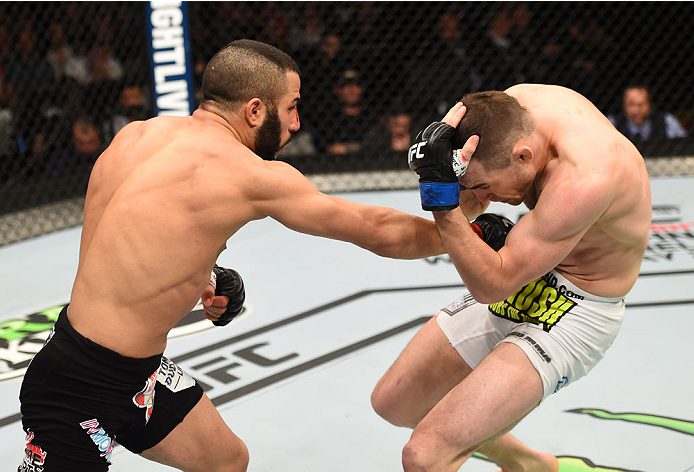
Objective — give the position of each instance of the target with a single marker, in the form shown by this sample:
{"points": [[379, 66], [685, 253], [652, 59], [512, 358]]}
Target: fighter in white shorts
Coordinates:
{"points": [[563, 330], [587, 192]]}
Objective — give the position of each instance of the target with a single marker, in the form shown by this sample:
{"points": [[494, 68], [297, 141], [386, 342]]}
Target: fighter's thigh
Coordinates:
{"points": [[423, 373], [502, 390], [202, 441]]}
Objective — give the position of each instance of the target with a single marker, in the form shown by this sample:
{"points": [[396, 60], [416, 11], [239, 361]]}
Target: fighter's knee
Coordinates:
{"points": [[417, 457], [240, 458], [378, 400], [234, 458], [385, 403]]}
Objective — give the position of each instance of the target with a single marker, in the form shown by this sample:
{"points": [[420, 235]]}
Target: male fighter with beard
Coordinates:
{"points": [[162, 202]]}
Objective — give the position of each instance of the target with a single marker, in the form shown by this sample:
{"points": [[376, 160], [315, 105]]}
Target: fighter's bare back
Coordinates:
{"points": [[167, 179]]}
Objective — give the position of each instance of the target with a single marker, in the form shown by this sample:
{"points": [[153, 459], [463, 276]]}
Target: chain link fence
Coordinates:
{"points": [[373, 73]]}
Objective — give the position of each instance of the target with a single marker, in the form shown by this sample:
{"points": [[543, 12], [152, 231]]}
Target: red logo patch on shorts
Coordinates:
{"points": [[145, 397], [34, 456]]}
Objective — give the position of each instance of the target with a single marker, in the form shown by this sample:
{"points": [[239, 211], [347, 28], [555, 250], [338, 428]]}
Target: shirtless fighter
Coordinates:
{"points": [[542, 310], [162, 202]]}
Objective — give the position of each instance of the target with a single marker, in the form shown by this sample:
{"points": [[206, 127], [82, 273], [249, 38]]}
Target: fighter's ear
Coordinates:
{"points": [[523, 154], [254, 112]]}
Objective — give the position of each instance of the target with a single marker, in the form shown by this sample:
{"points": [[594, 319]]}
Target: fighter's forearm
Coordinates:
{"points": [[404, 236], [471, 206], [479, 266]]}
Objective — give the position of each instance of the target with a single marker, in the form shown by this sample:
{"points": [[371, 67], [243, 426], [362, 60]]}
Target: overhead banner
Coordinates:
{"points": [[172, 68]]}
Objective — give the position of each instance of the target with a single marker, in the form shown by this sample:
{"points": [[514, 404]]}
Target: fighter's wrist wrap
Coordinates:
{"points": [[228, 282], [438, 196]]}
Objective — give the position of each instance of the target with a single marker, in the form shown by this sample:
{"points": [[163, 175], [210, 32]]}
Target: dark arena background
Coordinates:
{"points": [[73, 73]]}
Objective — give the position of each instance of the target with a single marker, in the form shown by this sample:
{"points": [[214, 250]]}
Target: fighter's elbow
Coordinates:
{"points": [[387, 248], [387, 244], [488, 295]]}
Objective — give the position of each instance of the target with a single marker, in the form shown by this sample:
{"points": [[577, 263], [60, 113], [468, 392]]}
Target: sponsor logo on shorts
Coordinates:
{"points": [[173, 376], [535, 345], [145, 397], [563, 382], [34, 456], [99, 437], [538, 303], [552, 280], [459, 305]]}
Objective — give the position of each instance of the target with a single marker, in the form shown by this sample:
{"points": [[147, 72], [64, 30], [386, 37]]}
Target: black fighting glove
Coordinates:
{"points": [[493, 229], [229, 283], [431, 156]]}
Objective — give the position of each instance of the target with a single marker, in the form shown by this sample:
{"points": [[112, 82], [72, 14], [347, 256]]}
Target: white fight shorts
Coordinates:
{"points": [[563, 330]]}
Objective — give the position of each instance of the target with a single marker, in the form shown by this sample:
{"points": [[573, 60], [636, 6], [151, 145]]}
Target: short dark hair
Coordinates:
{"points": [[246, 69], [499, 120], [638, 86]]}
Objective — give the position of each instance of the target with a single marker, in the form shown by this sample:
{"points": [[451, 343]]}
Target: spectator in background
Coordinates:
{"points": [[430, 88], [82, 150], [132, 106], [65, 62], [277, 27], [306, 34], [526, 42], [27, 81], [86, 140], [324, 64], [103, 65], [6, 142], [503, 71], [639, 122], [577, 53], [392, 134], [342, 130], [302, 144], [105, 70]]}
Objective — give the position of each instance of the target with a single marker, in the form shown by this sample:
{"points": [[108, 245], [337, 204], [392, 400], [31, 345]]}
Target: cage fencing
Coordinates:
{"points": [[373, 73]]}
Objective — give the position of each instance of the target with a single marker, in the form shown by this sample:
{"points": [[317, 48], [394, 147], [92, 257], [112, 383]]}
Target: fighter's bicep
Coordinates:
{"points": [[532, 249], [543, 237], [293, 201]]}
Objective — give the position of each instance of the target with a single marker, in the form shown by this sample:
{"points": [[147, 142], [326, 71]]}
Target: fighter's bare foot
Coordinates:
{"points": [[542, 462]]}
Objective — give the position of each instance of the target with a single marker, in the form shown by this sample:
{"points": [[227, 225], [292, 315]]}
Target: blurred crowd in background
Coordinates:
{"points": [[72, 74]]}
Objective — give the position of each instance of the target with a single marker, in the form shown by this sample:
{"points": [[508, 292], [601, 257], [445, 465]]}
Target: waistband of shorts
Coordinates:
{"points": [[565, 286], [108, 360]]}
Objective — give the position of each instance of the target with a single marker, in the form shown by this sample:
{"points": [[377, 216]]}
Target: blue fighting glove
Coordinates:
{"points": [[431, 156]]}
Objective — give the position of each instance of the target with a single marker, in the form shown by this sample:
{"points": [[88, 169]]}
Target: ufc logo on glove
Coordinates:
{"points": [[416, 151]]}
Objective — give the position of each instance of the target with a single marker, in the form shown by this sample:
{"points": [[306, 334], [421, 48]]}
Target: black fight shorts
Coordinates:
{"points": [[78, 398]]}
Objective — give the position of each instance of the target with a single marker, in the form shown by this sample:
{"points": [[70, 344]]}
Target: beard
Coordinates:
{"points": [[267, 140]]}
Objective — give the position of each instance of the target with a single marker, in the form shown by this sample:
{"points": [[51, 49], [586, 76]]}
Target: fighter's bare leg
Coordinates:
{"points": [[512, 455], [201, 442], [490, 401], [424, 373]]}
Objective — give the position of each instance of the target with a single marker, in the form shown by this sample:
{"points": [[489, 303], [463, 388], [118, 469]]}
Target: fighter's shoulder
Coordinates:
{"points": [[531, 95], [277, 173]]}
